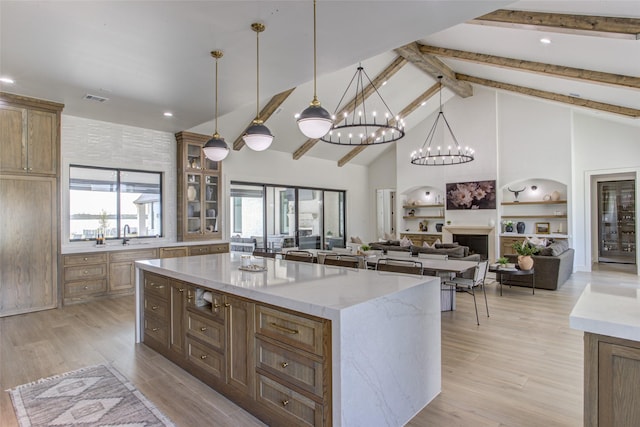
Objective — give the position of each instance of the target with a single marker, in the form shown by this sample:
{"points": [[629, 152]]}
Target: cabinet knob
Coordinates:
{"points": [[204, 356], [284, 364], [155, 329], [216, 305], [85, 258], [86, 287], [154, 307], [226, 304], [85, 272], [180, 289], [204, 328], [285, 402]]}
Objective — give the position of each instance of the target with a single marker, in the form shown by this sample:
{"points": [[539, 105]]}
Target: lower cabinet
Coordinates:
{"points": [[612, 374], [273, 362]]}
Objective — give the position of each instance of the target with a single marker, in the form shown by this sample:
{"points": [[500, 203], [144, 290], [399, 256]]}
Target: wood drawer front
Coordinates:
{"points": [[133, 255], [174, 252], [156, 329], [293, 406], [290, 366], [200, 250], [205, 358], [207, 330], [156, 285], [156, 307], [84, 259], [85, 272], [84, 288], [220, 248], [298, 331]]}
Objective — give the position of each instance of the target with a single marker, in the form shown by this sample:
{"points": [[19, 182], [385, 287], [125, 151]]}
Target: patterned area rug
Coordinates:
{"points": [[97, 395]]}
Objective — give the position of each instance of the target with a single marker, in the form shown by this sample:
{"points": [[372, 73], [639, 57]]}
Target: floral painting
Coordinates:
{"points": [[472, 195]]}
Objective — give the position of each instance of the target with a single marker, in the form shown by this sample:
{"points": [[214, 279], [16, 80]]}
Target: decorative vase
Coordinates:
{"points": [[191, 193], [439, 227], [525, 262], [555, 196], [508, 228], [520, 227]]}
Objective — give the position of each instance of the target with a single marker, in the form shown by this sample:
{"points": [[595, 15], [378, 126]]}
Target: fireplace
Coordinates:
{"points": [[488, 232], [477, 243]]}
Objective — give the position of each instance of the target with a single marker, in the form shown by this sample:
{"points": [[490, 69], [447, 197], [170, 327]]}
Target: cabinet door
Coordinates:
{"points": [[13, 134], [210, 203], [240, 345], [42, 152], [174, 252], [178, 330], [618, 391], [121, 276], [28, 237]]}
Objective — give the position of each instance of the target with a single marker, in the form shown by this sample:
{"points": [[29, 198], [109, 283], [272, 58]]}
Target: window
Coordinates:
{"points": [[103, 200]]}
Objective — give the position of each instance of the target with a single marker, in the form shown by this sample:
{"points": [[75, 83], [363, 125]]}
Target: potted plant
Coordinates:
{"points": [[364, 249], [524, 251], [508, 225], [503, 261]]}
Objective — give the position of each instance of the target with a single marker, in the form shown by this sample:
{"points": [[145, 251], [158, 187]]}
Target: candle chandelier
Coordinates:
{"points": [[438, 155], [361, 124]]}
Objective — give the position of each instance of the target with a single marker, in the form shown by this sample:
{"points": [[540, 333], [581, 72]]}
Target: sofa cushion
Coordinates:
{"points": [[457, 252], [555, 248], [446, 245]]}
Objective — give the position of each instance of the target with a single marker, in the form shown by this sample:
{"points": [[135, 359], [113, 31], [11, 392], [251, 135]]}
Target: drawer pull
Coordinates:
{"points": [[204, 328], [285, 402], [216, 305], [153, 285], [284, 329], [226, 304], [155, 329], [85, 272], [284, 364], [180, 289], [189, 298], [85, 259], [204, 356], [86, 287], [154, 307]]}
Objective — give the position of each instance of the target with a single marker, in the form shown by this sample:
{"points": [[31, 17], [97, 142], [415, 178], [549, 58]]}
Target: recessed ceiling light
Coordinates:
{"points": [[545, 40], [7, 80], [384, 83], [168, 114]]}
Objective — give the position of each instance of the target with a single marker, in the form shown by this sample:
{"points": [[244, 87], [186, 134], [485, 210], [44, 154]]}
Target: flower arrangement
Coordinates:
{"points": [[507, 223]]}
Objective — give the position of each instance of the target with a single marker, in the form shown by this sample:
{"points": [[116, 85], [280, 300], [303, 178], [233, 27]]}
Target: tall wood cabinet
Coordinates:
{"points": [[29, 212], [198, 190]]}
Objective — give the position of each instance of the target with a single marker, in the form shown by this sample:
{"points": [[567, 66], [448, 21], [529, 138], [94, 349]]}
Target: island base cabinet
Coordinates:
{"points": [[240, 348], [612, 375], [296, 408]]}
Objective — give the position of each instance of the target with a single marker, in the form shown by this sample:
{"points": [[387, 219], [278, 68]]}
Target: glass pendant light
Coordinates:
{"points": [[314, 121], [216, 148], [258, 137]]}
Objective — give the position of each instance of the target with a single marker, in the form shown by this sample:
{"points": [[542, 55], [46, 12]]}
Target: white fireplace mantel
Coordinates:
{"points": [[481, 230]]}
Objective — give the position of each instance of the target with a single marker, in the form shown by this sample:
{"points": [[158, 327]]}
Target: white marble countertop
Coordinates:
{"points": [[134, 243], [612, 310], [316, 289]]}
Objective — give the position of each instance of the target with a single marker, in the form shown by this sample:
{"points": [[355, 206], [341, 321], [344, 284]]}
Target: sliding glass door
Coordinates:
{"points": [[271, 217]]}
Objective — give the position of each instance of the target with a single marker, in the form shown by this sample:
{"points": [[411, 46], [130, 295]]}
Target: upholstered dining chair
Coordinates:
{"points": [[469, 285], [264, 253], [342, 261], [303, 256], [399, 266]]}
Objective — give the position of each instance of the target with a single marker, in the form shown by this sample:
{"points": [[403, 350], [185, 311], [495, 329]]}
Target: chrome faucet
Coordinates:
{"points": [[124, 234]]}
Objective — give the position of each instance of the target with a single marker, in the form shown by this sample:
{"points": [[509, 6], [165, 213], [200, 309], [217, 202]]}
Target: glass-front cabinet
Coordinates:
{"points": [[617, 225], [198, 190]]}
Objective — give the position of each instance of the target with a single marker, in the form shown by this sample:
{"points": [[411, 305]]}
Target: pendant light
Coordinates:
{"points": [[314, 121], [438, 156], [216, 148], [258, 137]]}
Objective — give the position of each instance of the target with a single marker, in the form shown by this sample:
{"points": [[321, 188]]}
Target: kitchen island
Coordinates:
{"points": [[374, 358], [609, 315]]}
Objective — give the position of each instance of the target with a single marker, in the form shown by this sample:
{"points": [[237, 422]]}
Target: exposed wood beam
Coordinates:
{"points": [[404, 113], [434, 67], [579, 102], [536, 67], [350, 106], [602, 26], [265, 113]]}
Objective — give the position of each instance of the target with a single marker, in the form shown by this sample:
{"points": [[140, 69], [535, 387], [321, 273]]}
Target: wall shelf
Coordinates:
{"points": [[422, 206], [422, 217], [533, 216], [540, 202]]}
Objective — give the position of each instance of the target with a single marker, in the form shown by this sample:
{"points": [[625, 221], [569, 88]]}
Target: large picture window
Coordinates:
{"points": [[104, 201]]}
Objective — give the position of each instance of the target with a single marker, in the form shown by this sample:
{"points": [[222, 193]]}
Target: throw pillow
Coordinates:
{"points": [[356, 239], [433, 245], [405, 242], [390, 236]]}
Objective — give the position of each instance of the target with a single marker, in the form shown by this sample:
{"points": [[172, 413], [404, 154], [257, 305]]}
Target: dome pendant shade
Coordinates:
{"points": [[258, 137], [314, 121], [216, 148]]}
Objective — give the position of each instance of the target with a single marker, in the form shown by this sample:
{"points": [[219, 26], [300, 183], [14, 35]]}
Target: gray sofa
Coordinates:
{"points": [[453, 250], [553, 265]]}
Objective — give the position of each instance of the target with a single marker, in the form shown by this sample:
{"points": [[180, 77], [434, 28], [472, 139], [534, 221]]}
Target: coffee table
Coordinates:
{"points": [[514, 272]]}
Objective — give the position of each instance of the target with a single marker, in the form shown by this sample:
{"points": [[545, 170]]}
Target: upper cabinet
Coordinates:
{"points": [[198, 190], [29, 133]]}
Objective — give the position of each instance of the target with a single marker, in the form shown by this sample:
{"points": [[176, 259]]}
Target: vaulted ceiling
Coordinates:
{"points": [[149, 57]]}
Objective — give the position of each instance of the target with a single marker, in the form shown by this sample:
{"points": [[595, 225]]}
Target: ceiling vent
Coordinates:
{"points": [[95, 98]]}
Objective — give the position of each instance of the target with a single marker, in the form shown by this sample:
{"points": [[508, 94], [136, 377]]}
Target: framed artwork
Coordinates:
{"points": [[542, 228], [471, 195]]}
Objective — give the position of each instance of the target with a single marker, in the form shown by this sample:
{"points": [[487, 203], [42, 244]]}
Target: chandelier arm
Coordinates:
{"points": [[346, 107], [378, 93], [451, 132], [432, 132]]}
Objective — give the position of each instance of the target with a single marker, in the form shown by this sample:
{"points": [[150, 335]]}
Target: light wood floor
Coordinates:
{"points": [[520, 367]]}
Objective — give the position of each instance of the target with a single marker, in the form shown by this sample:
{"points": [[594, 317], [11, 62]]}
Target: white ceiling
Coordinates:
{"points": [[148, 57]]}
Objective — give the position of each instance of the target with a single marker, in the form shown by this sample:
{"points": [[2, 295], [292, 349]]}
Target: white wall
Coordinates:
{"points": [[381, 175], [94, 143]]}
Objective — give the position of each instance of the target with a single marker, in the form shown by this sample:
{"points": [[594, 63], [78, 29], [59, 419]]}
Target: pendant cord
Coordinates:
{"points": [[314, 52], [216, 96], [257, 75]]}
